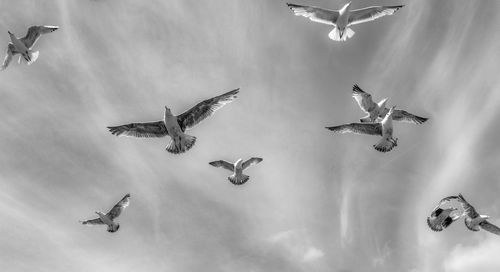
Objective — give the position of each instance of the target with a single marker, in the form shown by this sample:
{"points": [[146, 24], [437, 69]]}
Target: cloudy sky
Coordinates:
{"points": [[318, 202]]}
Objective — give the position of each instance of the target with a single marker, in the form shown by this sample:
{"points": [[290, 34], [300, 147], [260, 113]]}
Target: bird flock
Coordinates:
{"points": [[378, 120]]}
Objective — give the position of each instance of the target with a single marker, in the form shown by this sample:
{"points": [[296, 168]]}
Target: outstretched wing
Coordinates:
{"points": [[119, 207], [315, 14], [11, 51], [34, 34], [251, 161], [358, 128], [364, 99], [468, 209], [224, 164], [204, 109], [150, 129], [96, 221], [490, 227], [404, 116], [364, 15]]}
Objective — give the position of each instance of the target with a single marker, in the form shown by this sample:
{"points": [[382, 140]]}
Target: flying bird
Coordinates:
{"points": [[108, 218], [441, 218], [343, 18], [384, 129], [175, 126], [378, 110], [473, 220], [23, 45], [237, 178]]}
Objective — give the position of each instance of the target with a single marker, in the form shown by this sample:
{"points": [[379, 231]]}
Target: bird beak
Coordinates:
{"points": [[10, 33]]}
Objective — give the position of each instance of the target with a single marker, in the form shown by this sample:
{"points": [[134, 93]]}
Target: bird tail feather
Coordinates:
{"points": [[335, 34], [384, 145], [181, 144], [235, 181]]}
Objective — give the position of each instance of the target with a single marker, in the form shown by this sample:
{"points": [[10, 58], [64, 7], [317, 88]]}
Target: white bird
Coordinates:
{"points": [[378, 110], [343, 18], [237, 178], [23, 45], [441, 218], [474, 220], [384, 129], [175, 126], [108, 218]]}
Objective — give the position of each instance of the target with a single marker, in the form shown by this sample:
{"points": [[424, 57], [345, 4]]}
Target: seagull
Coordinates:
{"points": [[175, 126], [378, 110], [343, 18], [383, 129], [237, 178], [441, 218], [474, 220], [110, 216], [23, 45]]}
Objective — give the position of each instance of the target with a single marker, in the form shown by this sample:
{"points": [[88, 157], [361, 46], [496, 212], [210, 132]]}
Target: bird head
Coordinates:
{"points": [[167, 111]]}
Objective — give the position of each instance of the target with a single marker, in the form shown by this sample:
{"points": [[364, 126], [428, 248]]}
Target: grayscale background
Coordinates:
{"points": [[318, 201]]}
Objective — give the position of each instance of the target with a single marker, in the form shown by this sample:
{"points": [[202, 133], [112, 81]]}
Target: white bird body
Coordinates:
{"points": [[181, 142]]}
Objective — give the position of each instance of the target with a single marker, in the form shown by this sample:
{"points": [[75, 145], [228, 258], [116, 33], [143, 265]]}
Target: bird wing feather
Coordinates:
{"points": [[149, 129], [363, 98], [368, 14], [250, 162], [34, 33], [204, 109], [490, 227], [468, 208], [224, 164], [315, 14], [358, 128], [11, 51], [95, 221], [119, 207], [404, 116]]}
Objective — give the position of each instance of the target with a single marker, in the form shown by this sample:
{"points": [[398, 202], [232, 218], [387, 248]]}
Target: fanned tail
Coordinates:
{"points": [[235, 181], [335, 34], [181, 145], [385, 145]]}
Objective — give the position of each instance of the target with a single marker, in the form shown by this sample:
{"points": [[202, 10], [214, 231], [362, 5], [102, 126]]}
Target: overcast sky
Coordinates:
{"points": [[318, 201]]}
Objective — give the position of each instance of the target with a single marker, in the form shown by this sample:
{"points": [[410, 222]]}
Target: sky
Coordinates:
{"points": [[318, 201]]}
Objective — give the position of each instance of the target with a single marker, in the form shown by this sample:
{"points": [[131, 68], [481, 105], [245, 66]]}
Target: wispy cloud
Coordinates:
{"points": [[297, 244]]}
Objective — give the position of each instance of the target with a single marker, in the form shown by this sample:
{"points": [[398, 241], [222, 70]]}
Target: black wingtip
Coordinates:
{"points": [[127, 195]]}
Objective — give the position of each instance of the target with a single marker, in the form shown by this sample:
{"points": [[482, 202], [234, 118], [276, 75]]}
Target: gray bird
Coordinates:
{"points": [[108, 218], [24, 45], [474, 221], [237, 178], [441, 218], [176, 126], [378, 110], [384, 129], [343, 18]]}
